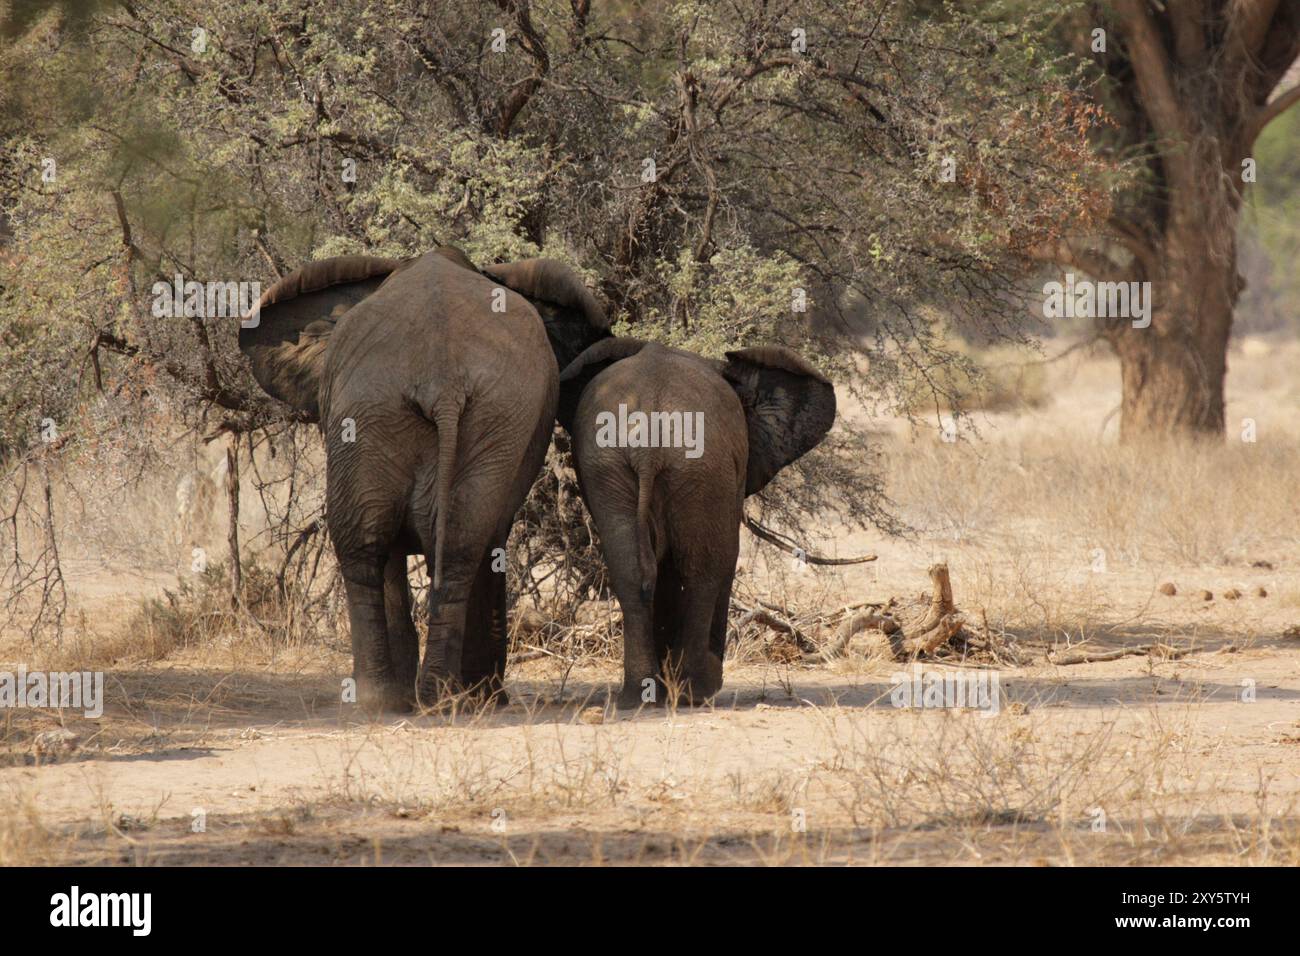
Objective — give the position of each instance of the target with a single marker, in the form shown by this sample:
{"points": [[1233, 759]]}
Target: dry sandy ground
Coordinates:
{"points": [[232, 756], [791, 766]]}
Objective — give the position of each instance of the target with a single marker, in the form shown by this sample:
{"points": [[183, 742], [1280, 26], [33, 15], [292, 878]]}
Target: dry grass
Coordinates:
{"points": [[1000, 378], [1178, 503], [877, 786], [1055, 536]]}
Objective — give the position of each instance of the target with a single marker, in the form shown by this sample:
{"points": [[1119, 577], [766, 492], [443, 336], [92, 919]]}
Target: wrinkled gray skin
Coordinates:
{"points": [[449, 406], [669, 525]]}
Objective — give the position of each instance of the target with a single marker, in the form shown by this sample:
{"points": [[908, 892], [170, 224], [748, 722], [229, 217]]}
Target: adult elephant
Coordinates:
{"points": [[435, 388], [667, 490]]}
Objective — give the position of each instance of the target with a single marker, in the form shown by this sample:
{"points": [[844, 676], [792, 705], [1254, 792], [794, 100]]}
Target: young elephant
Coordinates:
{"points": [[667, 445]]}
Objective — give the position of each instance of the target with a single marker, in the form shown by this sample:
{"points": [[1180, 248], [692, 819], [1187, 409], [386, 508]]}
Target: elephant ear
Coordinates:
{"points": [[789, 407], [574, 317], [286, 333], [577, 375]]}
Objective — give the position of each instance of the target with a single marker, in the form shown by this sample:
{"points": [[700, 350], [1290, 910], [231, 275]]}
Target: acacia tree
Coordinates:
{"points": [[1190, 86], [712, 168]]}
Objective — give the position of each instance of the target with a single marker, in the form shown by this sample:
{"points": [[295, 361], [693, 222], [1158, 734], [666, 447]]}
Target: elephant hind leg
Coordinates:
{"points": [[721, 611], [487, 637], [440, 671], [642, 680], [642, 683], [363, 525], [372, 665], [667, 609], [455, 621], [690, 632], [403, 640], [694, 672], [483, 662]]}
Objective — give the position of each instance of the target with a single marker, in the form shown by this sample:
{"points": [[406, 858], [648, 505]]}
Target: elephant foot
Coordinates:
{"points": [[489, 694], [448, 696], [435, 693], [485, 686], [637, 694], [384, 698], [691, 696], [699, 686]]}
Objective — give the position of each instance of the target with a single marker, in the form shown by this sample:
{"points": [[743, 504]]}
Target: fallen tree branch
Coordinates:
{"points": [[939, 625], [851, 627], [789, 547], [765, 618], [935, 637], [1163, 651], [941, 622]]}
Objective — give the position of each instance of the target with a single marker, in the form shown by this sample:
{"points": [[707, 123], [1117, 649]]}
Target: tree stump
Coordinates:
{"points": [[940, 623]]}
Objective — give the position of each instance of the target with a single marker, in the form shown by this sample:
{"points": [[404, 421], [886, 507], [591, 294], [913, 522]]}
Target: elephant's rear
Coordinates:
{"points": [[436, 390], [684, 489], [427, 388], [669, 512]]}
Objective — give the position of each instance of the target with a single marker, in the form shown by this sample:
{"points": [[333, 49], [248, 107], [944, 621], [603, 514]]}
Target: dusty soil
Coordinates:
{"points": [[793, 763], [232, 755]]}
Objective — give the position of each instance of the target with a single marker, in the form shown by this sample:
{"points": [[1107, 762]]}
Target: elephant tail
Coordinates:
{"points": [[645, 546], [447, 422]]}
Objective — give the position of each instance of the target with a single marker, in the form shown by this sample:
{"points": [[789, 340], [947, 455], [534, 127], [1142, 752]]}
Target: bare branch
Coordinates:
{"points": [[1269, 112], [1152, 70], [789, 547]]}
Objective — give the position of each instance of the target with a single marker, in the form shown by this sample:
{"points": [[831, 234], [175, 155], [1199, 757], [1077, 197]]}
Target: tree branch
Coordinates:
{"points": [[1155, 84], [1269, 112], [513, 102], [1188, 19], [789, 547], [1094, 263], [1248, 23], [1131, 237]]}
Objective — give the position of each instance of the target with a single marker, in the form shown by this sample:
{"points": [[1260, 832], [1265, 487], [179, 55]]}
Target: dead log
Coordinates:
{"points": [[941, 623], [851, 627], [1162, 651], [765, 618], [940, 600], [949, 626]]}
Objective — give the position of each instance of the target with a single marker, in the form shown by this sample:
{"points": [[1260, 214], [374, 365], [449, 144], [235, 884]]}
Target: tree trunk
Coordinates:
{"points": [[1173, 383], [1173, 373], [1193, 84]]}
